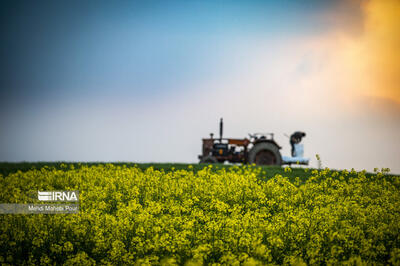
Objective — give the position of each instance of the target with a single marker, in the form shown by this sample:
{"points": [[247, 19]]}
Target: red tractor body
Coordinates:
{"points": [[259, 148]]}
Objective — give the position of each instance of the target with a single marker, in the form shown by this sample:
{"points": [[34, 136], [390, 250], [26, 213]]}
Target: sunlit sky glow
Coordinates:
{"points": [[145, 81]]}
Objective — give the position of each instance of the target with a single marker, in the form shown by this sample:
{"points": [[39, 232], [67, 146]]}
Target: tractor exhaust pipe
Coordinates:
{"points": [[221, 129]]}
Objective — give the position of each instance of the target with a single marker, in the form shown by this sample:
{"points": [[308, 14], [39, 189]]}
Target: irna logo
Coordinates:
{"points": [[58, 195]]}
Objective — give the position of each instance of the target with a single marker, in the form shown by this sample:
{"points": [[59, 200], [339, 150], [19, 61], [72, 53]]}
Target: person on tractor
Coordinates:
{"points": [[295, 138]]}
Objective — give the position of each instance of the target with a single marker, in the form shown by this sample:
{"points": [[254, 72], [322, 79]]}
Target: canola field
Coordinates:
{"points": [[213, 215]]}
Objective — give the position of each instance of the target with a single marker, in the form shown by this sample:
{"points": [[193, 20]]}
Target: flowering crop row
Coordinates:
{"points": [[227, 216]]}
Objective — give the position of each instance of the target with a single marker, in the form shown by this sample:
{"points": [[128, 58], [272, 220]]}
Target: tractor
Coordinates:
{"points": [[259, 149]]}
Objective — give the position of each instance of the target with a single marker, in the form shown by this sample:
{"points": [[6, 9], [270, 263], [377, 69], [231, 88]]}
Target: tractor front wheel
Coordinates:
{"points": [[209, 159], [265, 153]]}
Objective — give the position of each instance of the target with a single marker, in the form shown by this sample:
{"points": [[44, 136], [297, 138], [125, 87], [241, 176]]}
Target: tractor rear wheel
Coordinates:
{"points": [[208, 159], [265, 153]]}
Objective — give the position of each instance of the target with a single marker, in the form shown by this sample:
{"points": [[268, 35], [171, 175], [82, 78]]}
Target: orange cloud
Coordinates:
{"points": [[380, 48]]}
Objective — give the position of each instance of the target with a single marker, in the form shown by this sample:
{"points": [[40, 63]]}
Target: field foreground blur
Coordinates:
{"points": [[204, 214]]}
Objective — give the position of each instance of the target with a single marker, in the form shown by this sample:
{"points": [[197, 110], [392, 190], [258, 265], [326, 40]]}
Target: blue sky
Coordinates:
{"points": [[144, 81], [63, 49]]}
